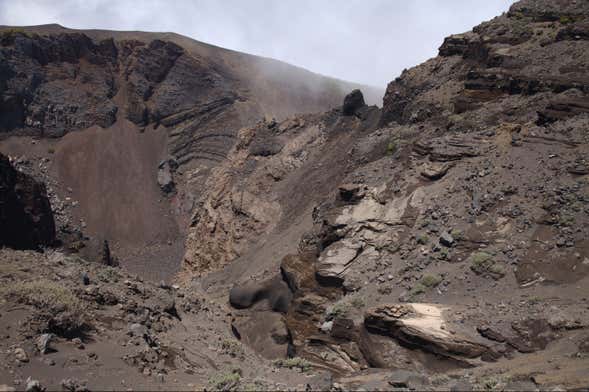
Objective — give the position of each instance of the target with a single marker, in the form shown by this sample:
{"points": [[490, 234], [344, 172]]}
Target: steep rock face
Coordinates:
{"points": [[268, 181], [117, 104], [55, 84], [56, 80], [451, 225], [511, 55], [26, 219]]}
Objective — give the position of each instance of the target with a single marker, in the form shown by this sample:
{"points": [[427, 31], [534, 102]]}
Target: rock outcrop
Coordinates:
{"points": [[352, 102], [26, 219], [424, 326]]}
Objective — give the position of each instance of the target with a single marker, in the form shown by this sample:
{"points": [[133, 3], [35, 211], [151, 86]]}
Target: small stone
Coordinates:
{"points": [[78, 343], [71, 384], [33, 386], [43, 343], [85, 279], [164, 285], [327, 326], [446, 239], [49, 362], [138, 330], [20, 355]]}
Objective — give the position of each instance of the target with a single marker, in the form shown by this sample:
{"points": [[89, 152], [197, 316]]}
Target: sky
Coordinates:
{"points": [[365, 41]]}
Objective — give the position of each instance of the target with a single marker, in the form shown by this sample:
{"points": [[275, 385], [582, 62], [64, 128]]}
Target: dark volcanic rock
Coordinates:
{"points": [[267, 147], [274, 290], [26, 219], [351, 193], [352, 102], [53, 93], [560, 110]]}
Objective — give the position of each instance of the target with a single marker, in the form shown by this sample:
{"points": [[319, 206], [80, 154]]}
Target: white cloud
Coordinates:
{"points": [[368, 41]]}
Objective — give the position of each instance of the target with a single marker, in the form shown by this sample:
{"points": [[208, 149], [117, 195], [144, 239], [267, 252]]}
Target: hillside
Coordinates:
{"points": [[124, 118], [437, 243]]}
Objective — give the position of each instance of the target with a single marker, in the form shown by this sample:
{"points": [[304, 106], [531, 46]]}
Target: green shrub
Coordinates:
{"points": [[416, 290], [45, 295], [58, 310], [357, 302], [392, 147], [293, 363], [108, 274], [481, 260], [457, 234], [231, 347], [431, 280], [482, 263], [422, 239], [339, 309], [7, 35], [444, 254], [225, 381]]}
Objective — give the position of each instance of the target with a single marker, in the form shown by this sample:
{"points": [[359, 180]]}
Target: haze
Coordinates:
{"points": [[369, 42]]}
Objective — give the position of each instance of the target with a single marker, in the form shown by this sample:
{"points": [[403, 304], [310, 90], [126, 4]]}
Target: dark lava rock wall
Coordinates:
{"points": [[26, 219]]}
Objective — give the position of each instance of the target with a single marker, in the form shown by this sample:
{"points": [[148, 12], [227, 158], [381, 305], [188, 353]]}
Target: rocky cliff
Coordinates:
{"points": [[449, 233], [26, 219], [117, 114]]}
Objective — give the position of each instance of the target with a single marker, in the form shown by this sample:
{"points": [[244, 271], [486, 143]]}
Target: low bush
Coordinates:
{"points": [[293, 363]]}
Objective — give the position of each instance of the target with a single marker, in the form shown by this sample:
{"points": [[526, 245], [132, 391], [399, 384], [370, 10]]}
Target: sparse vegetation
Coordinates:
{"points": [[482, 263], [479, 259], [58, 310], [12, 31], [517, 15], [7, 35], [444, 254], [339, 309], [534, 300], [45, 295], [565, 219], [457, 234], [255, 386], [491, 383], [431, 280], [231, 347], [422, 239], [417, 289], [425, 283], [225, 381], [392, 147], [566, 19], [293, 363], [108, 274], [357, 302]]}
